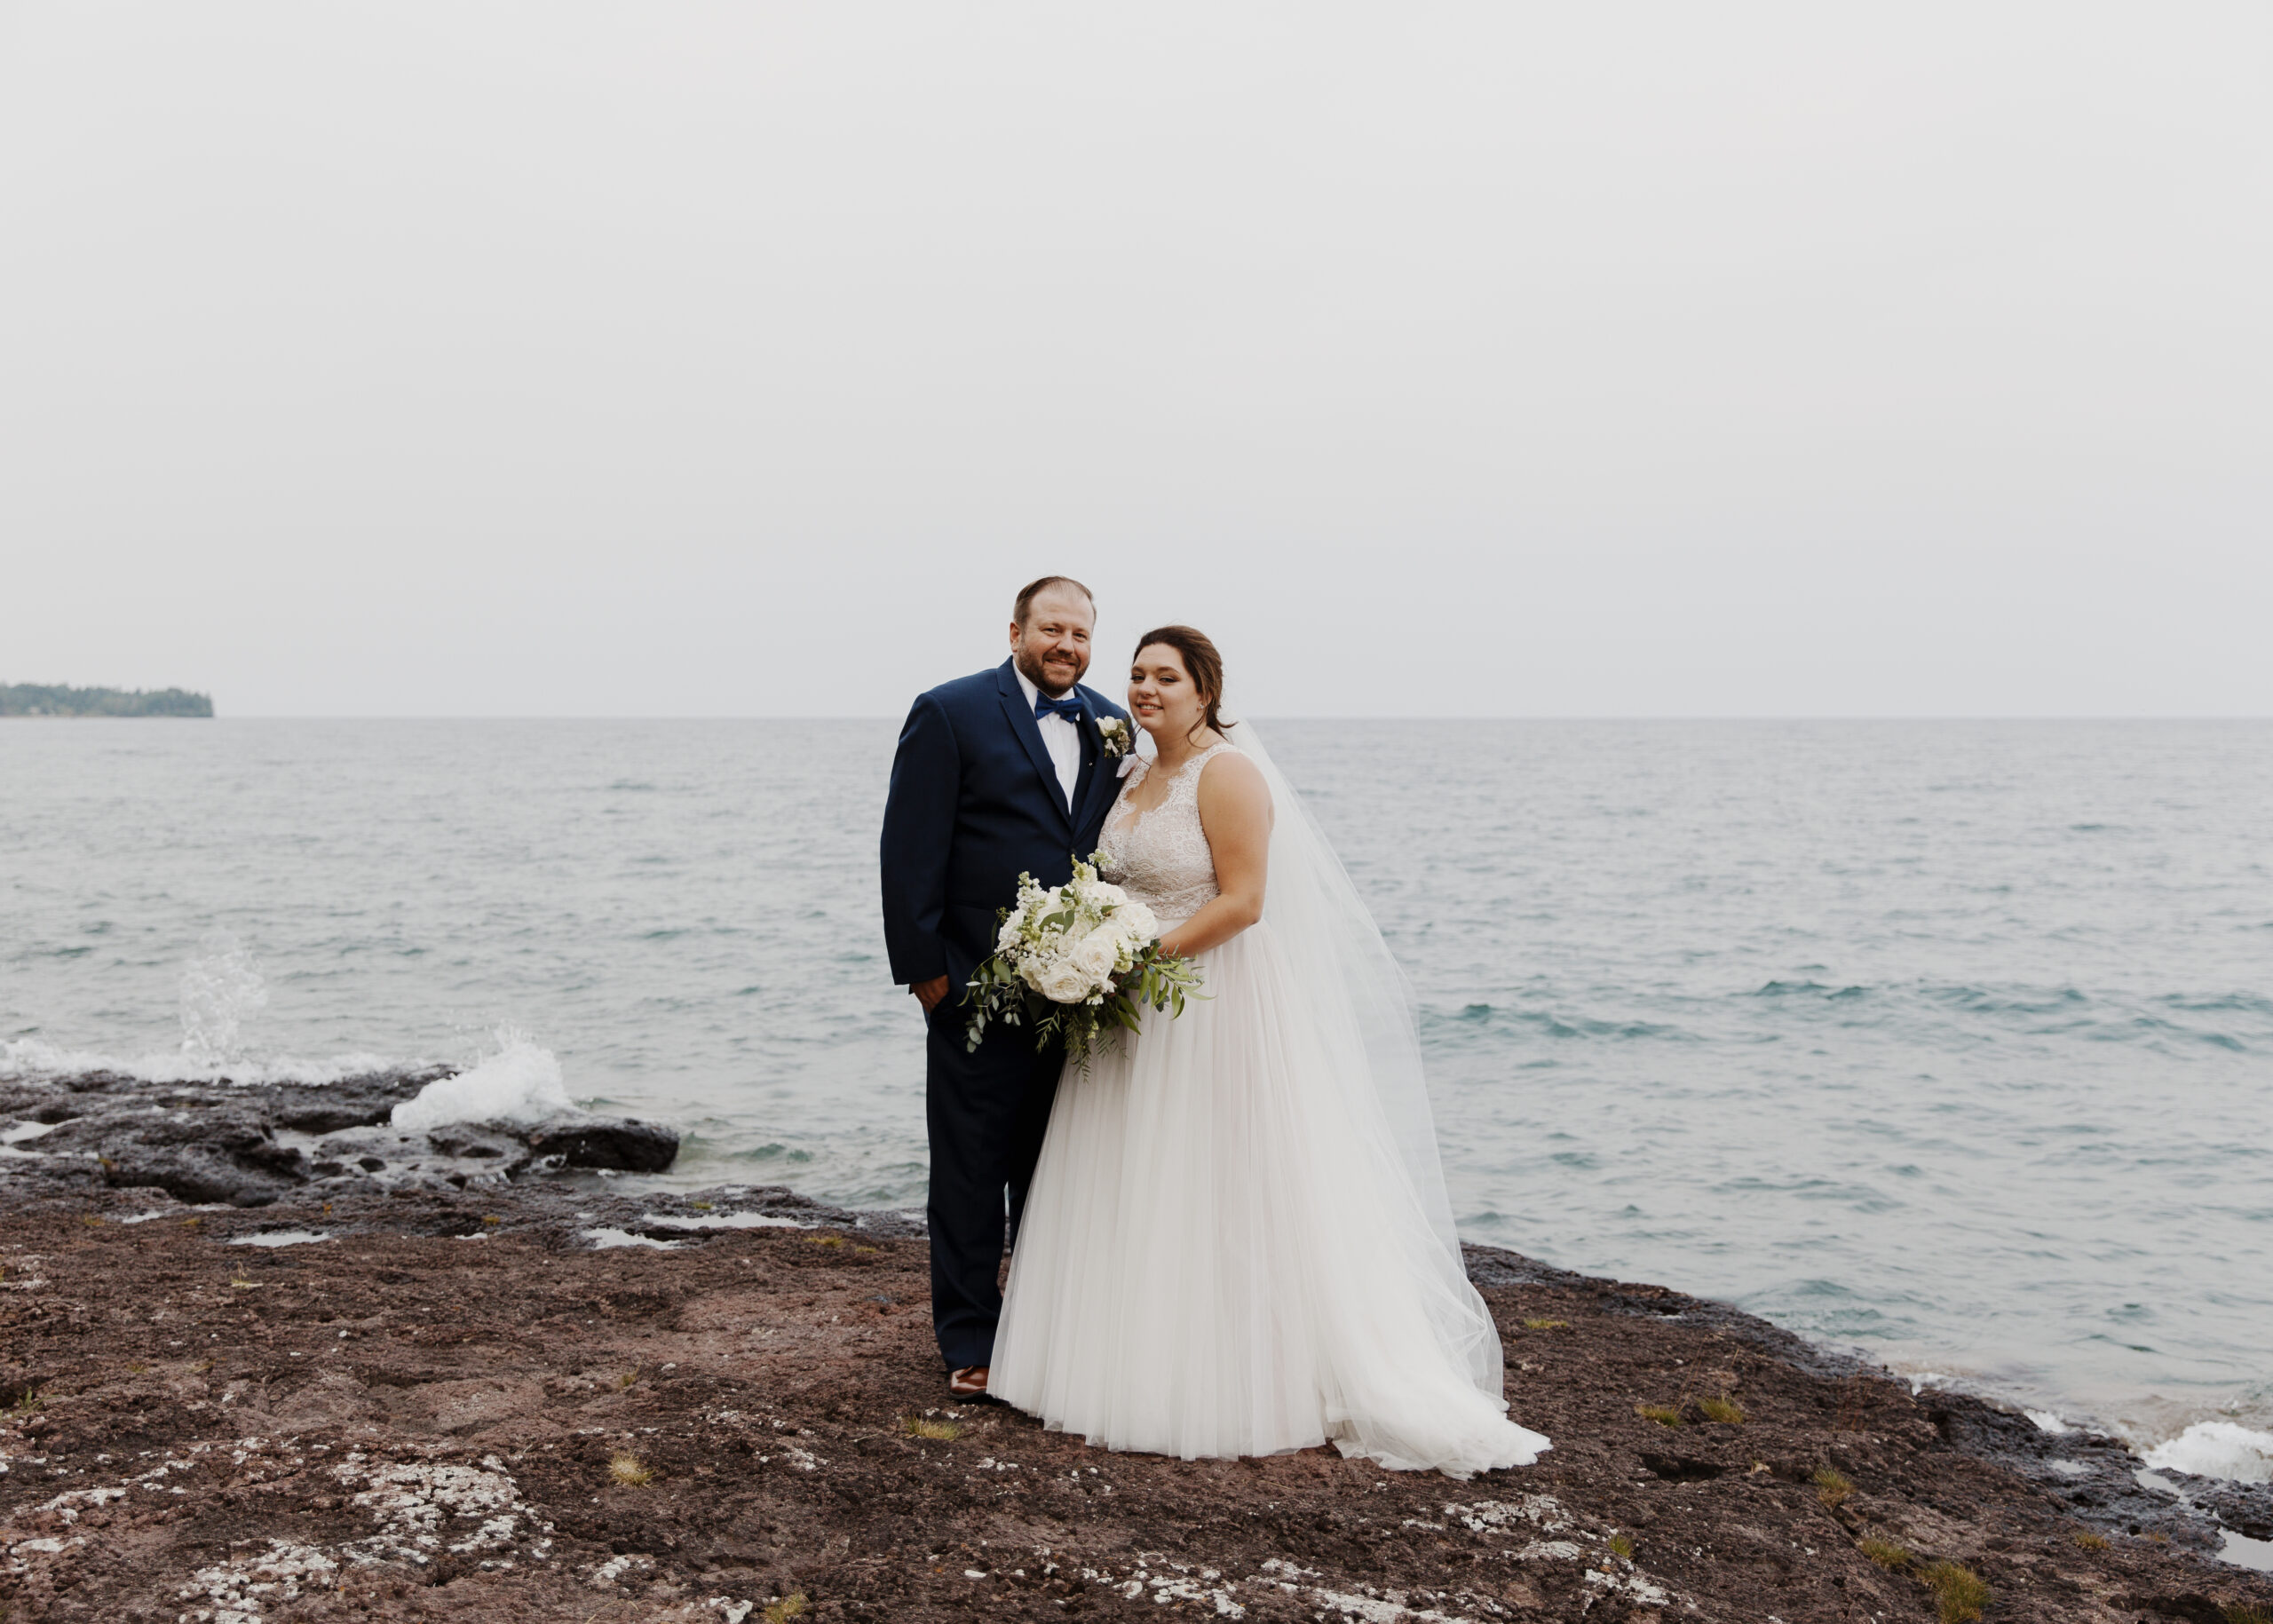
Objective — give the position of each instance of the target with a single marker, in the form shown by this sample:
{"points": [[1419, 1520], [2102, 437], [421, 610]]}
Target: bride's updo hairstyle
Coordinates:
{"points": [[1204, 665]]}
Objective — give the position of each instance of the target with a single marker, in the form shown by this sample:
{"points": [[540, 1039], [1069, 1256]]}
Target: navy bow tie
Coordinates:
{"points": [[1069, 708]]}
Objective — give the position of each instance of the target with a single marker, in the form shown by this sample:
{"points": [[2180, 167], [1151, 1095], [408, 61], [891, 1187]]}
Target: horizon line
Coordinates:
{"points": [[1889, 715]]}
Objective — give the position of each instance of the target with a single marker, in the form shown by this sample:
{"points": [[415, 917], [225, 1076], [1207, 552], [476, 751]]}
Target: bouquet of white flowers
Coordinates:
{"points": [[1076, 959]]}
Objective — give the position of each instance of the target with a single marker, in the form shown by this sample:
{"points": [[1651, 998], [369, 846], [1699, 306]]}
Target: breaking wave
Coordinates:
{"points": [[31, 1057], [2217, 1449], [520, 1083], [221, 990]]}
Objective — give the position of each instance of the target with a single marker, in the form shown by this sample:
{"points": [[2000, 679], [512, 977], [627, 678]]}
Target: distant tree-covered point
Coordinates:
{"points": [[31, 698]]}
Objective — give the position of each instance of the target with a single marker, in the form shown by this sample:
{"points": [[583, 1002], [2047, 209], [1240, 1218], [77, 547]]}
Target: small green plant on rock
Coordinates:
{"points": [[627, 1381], [1546, 1324], [628, 1470], [1958, 1591], [2246, 1612], [1664, 1415], [1886, 1553], [788, 1607], [2085, 1539], [1832, 1487], [28, 1402], [1724, 1409], [937, 1432], [1622, 1545]]}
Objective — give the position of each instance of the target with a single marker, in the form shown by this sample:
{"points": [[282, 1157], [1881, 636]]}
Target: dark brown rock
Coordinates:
{"points": [[622, 1143], [218, 1142]]}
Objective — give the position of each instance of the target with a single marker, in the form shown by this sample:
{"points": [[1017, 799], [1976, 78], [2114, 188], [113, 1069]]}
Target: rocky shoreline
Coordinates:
{"points": [[244, 1376], [251, 1144]]}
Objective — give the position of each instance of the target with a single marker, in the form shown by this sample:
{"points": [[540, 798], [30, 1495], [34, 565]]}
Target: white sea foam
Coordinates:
{"points": [[520, 1083], [29, 1057], [2217, 1449], [221, 990], [722, 1220], [2047, 1422], [281, 1238]]}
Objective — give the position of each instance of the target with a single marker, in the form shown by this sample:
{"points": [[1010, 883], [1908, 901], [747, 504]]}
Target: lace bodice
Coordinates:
{"points": [[1161, 857]]}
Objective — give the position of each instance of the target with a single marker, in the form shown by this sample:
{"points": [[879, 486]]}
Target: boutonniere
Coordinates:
{"points": [[1113, 734]]}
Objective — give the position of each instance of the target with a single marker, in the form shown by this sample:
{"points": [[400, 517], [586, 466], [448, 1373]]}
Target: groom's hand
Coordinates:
{"points": [[928, 993]]}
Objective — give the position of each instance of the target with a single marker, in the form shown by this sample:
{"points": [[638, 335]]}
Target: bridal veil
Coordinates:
{"points": [[1361, 1007]]}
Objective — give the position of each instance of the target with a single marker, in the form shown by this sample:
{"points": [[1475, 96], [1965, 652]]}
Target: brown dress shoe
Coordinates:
{"points": [[969, 1382]]}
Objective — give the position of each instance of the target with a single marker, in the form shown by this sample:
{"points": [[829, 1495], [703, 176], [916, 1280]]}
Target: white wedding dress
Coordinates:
{"points": [[1226, 1249]]}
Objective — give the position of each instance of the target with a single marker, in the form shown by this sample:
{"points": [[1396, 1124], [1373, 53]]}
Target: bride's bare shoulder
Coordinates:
{"points": [[1230, 785]]}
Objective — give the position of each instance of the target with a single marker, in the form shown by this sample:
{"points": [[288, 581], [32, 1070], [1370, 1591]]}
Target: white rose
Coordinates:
{"points": [[1136, 922], [1008, 938], [1107, 895], [1063, 983], [1031, 973], [1098, 954]]}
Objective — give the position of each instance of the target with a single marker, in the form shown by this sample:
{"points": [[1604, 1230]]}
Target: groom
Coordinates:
{"points": [[998, 774]]}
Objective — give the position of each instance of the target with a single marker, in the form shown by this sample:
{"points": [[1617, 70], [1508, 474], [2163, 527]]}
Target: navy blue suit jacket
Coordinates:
{"points": [[975, 802]]}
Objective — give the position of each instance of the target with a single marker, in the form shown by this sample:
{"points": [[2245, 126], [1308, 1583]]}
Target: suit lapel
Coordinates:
{"points": [[1097, 779], [1022, 723]]}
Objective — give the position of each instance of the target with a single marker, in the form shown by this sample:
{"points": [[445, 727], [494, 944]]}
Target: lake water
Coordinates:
{"points": [[1950, 1039]]}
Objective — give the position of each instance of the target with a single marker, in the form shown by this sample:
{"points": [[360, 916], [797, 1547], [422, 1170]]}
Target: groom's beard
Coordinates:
{"points": [[1029, 664]]}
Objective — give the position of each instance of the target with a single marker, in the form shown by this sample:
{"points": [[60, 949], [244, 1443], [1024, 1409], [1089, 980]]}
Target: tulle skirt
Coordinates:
{"points": [[1211, 1263]]}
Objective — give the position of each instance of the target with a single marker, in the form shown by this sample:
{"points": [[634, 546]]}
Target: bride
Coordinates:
{"points": [[1236, 1240]]}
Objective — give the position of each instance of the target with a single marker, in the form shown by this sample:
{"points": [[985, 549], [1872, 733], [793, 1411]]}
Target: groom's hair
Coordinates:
{"points": [[1034, 589]]}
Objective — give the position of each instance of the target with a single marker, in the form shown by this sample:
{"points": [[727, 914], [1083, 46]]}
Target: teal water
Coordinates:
{"points": [[1951, 1039]]}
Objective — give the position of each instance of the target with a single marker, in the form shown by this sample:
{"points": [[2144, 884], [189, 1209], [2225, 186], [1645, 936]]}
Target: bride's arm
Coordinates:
{"points": [[1235, 812]]}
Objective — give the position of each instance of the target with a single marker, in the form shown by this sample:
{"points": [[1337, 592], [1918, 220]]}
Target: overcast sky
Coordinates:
{"points": [[526, 359]]}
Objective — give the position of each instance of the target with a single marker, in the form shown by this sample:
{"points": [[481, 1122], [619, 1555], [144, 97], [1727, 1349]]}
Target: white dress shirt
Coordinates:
{"points": [[1059, 736]]}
